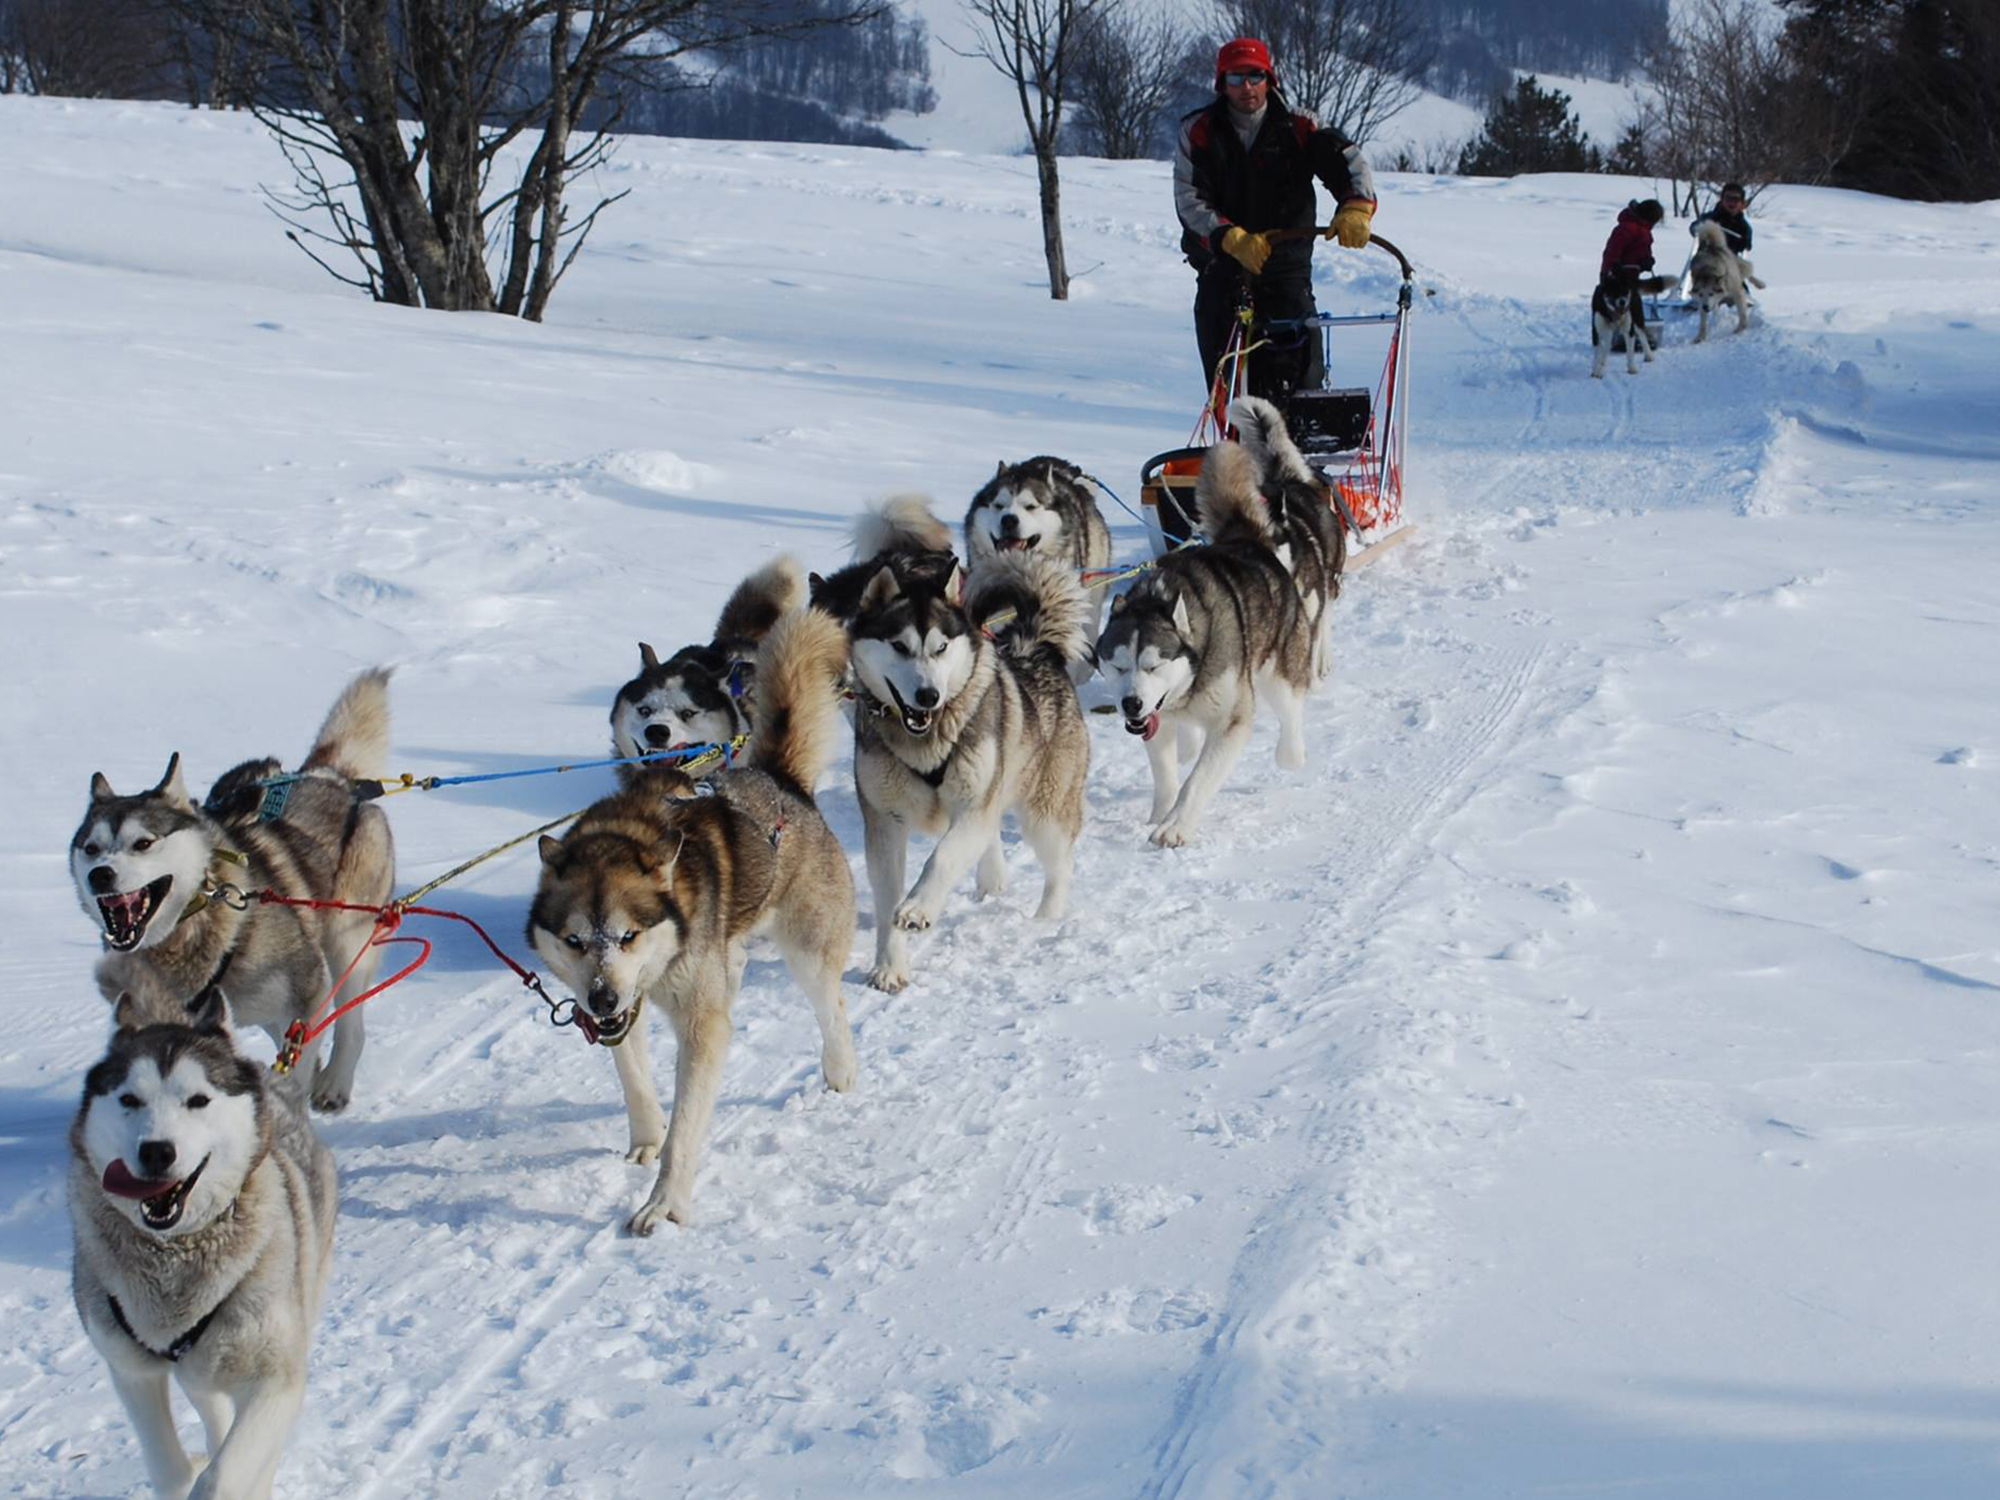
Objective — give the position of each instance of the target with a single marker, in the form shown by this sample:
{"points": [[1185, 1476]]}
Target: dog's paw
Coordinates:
{"points": [[1291, 757], [653, 1215], [331, 1095], [644, 1153], [914, 916], [982, 887], [1171, 834], [841, 1072], [889, 978]]}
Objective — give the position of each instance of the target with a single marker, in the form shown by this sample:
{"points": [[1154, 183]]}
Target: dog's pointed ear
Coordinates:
{"points": [[1181, 621], [171, 788], [881, 588], [100, 788], [550, 848], [954, 586], [209, 1011], [999, 468], [647, 659], [126, 1014], [1117, 604]]}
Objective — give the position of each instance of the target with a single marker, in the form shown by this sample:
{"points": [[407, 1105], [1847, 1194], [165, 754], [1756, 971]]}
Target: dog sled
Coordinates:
{"points": [[1352, 437]]}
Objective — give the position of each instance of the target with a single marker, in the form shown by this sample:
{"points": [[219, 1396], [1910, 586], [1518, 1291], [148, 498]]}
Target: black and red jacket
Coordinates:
{"points": [[1629, 251], [1219, 185]]}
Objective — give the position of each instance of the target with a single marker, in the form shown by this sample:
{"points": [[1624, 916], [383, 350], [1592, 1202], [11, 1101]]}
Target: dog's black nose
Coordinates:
{"points": [[927, 697], [1131, 706], [1009, 524], [103, 880], [659, 736], [600, 999], [156, 1158]]}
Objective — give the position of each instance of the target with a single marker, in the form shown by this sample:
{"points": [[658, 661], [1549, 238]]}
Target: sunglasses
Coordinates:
{"points": [[1252, 75]]}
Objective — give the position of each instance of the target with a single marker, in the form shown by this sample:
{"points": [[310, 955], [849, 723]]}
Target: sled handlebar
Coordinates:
{"points": [[1318, 231]]}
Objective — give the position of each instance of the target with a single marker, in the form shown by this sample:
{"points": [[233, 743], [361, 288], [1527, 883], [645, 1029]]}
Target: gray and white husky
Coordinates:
{"points": [[1195, 642], [1313, 541], [151, 871], [957, 726], [1717, 277], [704, 695], [1041, 505], [203, 1208]]}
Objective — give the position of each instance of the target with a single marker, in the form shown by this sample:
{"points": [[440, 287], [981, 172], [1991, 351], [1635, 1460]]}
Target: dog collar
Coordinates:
{"points": [[175, 1351]]}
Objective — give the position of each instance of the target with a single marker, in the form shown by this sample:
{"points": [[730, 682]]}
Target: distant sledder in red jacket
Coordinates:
{"points": [[1628, 254], [1246, 165]]}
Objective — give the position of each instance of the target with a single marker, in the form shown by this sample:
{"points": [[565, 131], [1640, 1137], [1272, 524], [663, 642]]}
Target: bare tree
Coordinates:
{"points": [[418, 131], [1034, 44], [1129, 70], [84, 49], [1714, 116], [1355, 64]]}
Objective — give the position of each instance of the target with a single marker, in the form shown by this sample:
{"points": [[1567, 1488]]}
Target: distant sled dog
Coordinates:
{"points": [[966, 711], [1312, 539], [1616, 319], [703, 695], [899, 532], [654, 894], [1041, 505], [203, 1209], [147, 869], [1194, 643], [1716, 278]]}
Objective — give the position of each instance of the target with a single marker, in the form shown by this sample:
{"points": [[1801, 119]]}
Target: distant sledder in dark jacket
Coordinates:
{"points": [[1628, 254], [1728, 212], [1245, 166]]}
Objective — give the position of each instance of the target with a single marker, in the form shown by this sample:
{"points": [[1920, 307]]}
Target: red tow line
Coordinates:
{"points": [[302, 1034]]}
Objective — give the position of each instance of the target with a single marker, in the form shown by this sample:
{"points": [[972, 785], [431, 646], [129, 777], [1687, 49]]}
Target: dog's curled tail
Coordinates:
{"points": [[1228, 497], [1260, 427], [1030, 603], [901, 523], [354, 740], [799, 728], [761, 600]]}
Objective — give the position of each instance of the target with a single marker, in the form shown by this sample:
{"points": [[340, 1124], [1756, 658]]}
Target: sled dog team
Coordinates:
{"points": [[202, 1199]]}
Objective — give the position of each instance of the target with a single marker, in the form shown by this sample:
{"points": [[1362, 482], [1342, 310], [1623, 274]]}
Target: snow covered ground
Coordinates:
{"points": [[1584, 1078]]}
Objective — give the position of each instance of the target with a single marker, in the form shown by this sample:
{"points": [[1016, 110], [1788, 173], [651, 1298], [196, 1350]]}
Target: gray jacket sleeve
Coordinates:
{"points": [[1197, 217]]}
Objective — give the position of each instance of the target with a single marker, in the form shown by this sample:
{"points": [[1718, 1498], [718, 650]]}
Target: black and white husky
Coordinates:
{"points": [[1195, 642], [203, 1208], [1311, 539], [1616, 312], [1044, 506], [704, 695], [965, 712]]}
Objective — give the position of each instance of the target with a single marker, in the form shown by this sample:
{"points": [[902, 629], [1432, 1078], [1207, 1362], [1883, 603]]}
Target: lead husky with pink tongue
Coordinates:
{"points": [[1192, 646], [203, 1206]]}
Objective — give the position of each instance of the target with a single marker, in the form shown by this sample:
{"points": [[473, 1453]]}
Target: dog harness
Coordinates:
{"points": [[179, 1347]]}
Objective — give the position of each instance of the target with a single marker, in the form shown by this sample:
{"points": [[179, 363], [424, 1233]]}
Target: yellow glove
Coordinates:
{"points": [[1350, 224], [1251, 249]]}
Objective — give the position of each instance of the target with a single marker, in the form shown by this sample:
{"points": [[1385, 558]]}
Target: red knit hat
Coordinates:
{"points": [[1244, 52]]}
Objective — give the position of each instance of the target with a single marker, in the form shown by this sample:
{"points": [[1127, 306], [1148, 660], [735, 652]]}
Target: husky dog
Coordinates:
{"points": [[654, 893], [1194, 642], [1312, 540], [1616, 316], [151, 869], [900, 532], [1716, 277], [1042, 505], [955, 729], [203, 1206], [703, 695]]}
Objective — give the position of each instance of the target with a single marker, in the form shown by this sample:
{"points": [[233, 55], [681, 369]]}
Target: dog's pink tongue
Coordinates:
{"points": [[118, 1179], [1152, 727]]}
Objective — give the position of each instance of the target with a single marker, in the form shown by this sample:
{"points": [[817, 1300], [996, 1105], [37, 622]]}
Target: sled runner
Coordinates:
{"points": [[1352, 436]]}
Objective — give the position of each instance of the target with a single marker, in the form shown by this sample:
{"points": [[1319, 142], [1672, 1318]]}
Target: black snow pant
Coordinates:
{"points": [[1291, 361]]}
